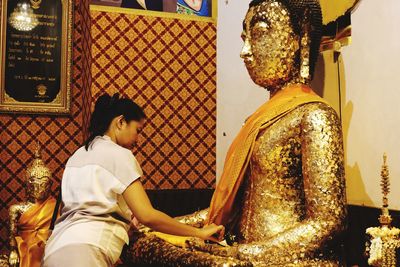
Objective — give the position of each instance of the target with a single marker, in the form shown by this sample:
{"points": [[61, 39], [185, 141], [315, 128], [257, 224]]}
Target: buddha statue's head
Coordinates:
{"points": [[38, 179], [281, 41]]}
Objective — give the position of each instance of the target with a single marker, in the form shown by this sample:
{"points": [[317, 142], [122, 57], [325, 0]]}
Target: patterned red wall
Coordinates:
{"points": [[166, 65], [59, 136], [169, 67]]}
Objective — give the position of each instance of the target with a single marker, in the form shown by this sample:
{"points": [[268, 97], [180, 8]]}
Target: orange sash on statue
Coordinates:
{"points": [[33, 231], [238, 155]]}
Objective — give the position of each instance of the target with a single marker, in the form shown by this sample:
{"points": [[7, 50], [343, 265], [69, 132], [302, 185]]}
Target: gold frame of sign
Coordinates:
{"points": [[36, 56]]}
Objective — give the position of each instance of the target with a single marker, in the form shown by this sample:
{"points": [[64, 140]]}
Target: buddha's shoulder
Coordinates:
{"points": [[315, 108], [318, 112], [19, 207]]}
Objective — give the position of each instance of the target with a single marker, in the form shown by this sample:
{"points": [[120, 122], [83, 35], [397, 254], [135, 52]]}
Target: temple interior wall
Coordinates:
{"points": [[370, 110], [60, 136], [166, 65], [196, 100]]}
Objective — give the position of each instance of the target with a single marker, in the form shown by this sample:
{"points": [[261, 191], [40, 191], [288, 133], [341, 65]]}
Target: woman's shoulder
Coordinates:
{"points": [[105, 146], [101, 152], [117, 160]]}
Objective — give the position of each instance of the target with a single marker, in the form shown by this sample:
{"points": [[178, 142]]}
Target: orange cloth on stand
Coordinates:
{"points": [[33, 231], [239, 153]]}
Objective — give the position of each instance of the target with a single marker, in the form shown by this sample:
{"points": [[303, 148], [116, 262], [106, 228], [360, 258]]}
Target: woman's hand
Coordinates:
{"points": [[212, 232]]}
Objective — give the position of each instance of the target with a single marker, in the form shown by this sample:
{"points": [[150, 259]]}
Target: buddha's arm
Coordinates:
{"points": [[14, 213], [153, 251], [324, 189], [196, 219]]}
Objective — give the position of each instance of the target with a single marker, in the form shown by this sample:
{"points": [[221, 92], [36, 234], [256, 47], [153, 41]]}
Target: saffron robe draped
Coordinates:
{"points": [[238, 156], [33, 231]]}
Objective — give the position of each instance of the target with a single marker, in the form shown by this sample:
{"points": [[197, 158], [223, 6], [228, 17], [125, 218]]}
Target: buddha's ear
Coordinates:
{"points": [[305, 42]]}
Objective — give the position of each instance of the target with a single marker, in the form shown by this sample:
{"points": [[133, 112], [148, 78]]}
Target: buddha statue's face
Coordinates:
{"points": [[38, 188], [270, 45]]}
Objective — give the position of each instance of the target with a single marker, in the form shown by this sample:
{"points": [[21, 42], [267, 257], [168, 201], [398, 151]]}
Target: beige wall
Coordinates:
{"points": [[371, 113], [369, 89]]}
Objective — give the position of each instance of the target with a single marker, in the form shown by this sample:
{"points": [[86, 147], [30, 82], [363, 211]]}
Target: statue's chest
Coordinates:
{"points": [[273, 189], [276, 158]]}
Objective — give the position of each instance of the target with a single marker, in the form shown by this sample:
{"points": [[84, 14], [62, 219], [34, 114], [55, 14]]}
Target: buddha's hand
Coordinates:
{"points": [[212, 248], [195, 243], [225, 251], [13, 260]]}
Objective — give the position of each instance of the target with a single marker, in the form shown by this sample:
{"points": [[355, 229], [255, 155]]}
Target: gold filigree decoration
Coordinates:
{"points": [[36, 4], [385, 239]]}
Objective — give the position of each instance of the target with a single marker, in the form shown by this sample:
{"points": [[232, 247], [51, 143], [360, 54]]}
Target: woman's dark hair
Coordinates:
{"points": [[106, 109], [297, 10]]}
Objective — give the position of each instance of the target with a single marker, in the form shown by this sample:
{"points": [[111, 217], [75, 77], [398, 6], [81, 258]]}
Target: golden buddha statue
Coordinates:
{"points": [[30, 220], [282, 190]]}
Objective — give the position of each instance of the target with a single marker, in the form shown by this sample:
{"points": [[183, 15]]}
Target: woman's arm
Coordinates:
{"points": [[140, 205]]}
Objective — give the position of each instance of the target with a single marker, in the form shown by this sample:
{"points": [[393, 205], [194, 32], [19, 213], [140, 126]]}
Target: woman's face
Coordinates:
{"points": [[270, 44], [128, 133]]}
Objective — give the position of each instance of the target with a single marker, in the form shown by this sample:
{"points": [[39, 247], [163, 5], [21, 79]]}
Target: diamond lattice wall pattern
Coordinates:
{"points": [[59, 136], [168, 66]]}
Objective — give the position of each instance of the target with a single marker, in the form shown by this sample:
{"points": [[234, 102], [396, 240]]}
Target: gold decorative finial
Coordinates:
{"points": [[38, 152], [385, 181], [38, 169], [385, 218], [385, 239]]}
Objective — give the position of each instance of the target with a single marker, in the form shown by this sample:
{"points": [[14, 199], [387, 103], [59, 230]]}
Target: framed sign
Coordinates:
{"points": [[180, 8], [36, 45]]}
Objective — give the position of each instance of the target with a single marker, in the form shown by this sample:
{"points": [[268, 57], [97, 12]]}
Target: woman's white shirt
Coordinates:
{"points": [[94, 210]]}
